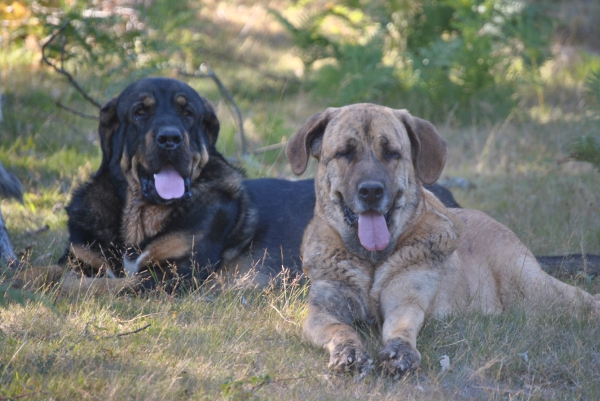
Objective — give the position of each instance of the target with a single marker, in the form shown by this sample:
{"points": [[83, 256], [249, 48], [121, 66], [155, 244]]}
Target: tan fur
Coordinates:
{"points": [[92, 258], [198, 163], [148, 100], [181, 100], [438, 261], [173, 246], [141, 220], [71, 283]]}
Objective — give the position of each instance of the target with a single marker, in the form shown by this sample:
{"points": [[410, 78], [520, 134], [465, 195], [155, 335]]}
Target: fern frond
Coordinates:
{"points": [[593, 86], [587, 149]]}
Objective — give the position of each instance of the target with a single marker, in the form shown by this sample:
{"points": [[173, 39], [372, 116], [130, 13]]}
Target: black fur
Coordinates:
{"points": [[223, 216]]}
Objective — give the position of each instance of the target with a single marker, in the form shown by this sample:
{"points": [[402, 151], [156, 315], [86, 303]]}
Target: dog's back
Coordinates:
{"points": [[501, 271]]}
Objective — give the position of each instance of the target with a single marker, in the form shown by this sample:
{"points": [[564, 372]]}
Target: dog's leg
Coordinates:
{"points": [[72, 283], [542, 290], [404, 301], [171, 246], [35, 278], [75, 284], [332, 307], [95, 260]]}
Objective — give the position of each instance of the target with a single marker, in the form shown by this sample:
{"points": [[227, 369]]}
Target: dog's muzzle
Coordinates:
{"points": [[169, 138], [351, 218]]}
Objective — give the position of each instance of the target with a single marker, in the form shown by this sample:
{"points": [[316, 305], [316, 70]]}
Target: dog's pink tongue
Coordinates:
{"points": [[372, 231], [169, 184]]}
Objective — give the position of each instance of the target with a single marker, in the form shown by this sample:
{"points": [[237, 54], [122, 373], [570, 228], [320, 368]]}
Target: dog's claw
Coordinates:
{"points": [[346, 358], [397, 357], [365, 369]]}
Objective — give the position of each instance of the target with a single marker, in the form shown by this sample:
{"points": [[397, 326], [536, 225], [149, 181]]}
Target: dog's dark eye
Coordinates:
{"points": [[391, 155], [345, 154], [188, 114], [140, 113]]}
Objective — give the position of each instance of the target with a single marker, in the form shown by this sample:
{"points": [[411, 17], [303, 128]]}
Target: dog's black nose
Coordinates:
{"points": [[370, 191], [169, 138]]}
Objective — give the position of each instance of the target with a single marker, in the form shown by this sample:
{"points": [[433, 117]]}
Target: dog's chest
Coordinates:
{"points": [[142, 221]]}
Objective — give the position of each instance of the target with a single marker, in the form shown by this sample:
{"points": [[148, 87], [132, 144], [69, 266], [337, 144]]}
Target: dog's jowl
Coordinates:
{"points": [[381, 248]]}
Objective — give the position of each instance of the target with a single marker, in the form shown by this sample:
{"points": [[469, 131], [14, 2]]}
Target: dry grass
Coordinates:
{"points": [[242, 344]]}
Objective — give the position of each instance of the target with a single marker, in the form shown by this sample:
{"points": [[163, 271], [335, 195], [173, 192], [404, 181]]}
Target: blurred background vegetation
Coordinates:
{"points": [[513, 85]]}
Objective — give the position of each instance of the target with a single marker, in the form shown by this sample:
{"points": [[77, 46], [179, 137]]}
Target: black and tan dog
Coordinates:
{"points": [[381, 248], [166, 207]]}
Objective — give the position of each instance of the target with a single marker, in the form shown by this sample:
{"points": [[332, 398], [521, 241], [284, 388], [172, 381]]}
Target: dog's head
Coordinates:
{"points": [[158, 134], [372, 163]]}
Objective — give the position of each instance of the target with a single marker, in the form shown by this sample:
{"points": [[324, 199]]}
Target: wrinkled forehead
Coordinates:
{"points": [[367, 124], [158, 91]]}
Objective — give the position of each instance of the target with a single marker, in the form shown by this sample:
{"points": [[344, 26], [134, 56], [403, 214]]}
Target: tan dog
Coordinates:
{"points": [[382, 248]]}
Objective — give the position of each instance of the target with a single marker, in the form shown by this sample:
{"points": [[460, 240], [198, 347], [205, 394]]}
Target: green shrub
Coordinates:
{"points": [[437, 54], [358, 76], [587, 147]]}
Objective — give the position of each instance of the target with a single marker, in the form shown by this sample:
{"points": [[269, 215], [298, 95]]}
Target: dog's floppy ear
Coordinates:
{"points": [[306, 140], [109, 123], [211, 123], [429, 149]]}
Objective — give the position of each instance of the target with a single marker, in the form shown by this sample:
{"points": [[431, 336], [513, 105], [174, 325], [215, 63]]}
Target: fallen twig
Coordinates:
{"points": [[86, 333], [134, 331]]}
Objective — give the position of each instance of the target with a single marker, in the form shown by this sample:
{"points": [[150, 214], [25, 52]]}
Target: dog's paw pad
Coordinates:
{"points": [[397, 357]]}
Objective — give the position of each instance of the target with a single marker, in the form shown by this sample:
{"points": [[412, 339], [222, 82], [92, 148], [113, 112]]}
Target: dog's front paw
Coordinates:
{"points": [[398, 356], [133, 261], [350, 357]]}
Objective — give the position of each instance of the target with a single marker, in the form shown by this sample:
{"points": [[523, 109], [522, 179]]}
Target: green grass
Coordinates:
{"points": [[248, 344]]}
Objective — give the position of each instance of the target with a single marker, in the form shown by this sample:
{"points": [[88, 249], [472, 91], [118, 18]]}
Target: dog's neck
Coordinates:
{"points": [[142, 220], [433, 225]]}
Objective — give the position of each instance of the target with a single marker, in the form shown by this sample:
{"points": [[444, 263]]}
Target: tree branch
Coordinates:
{"points": [[77, 113], [61, 70], [206, 72]]}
